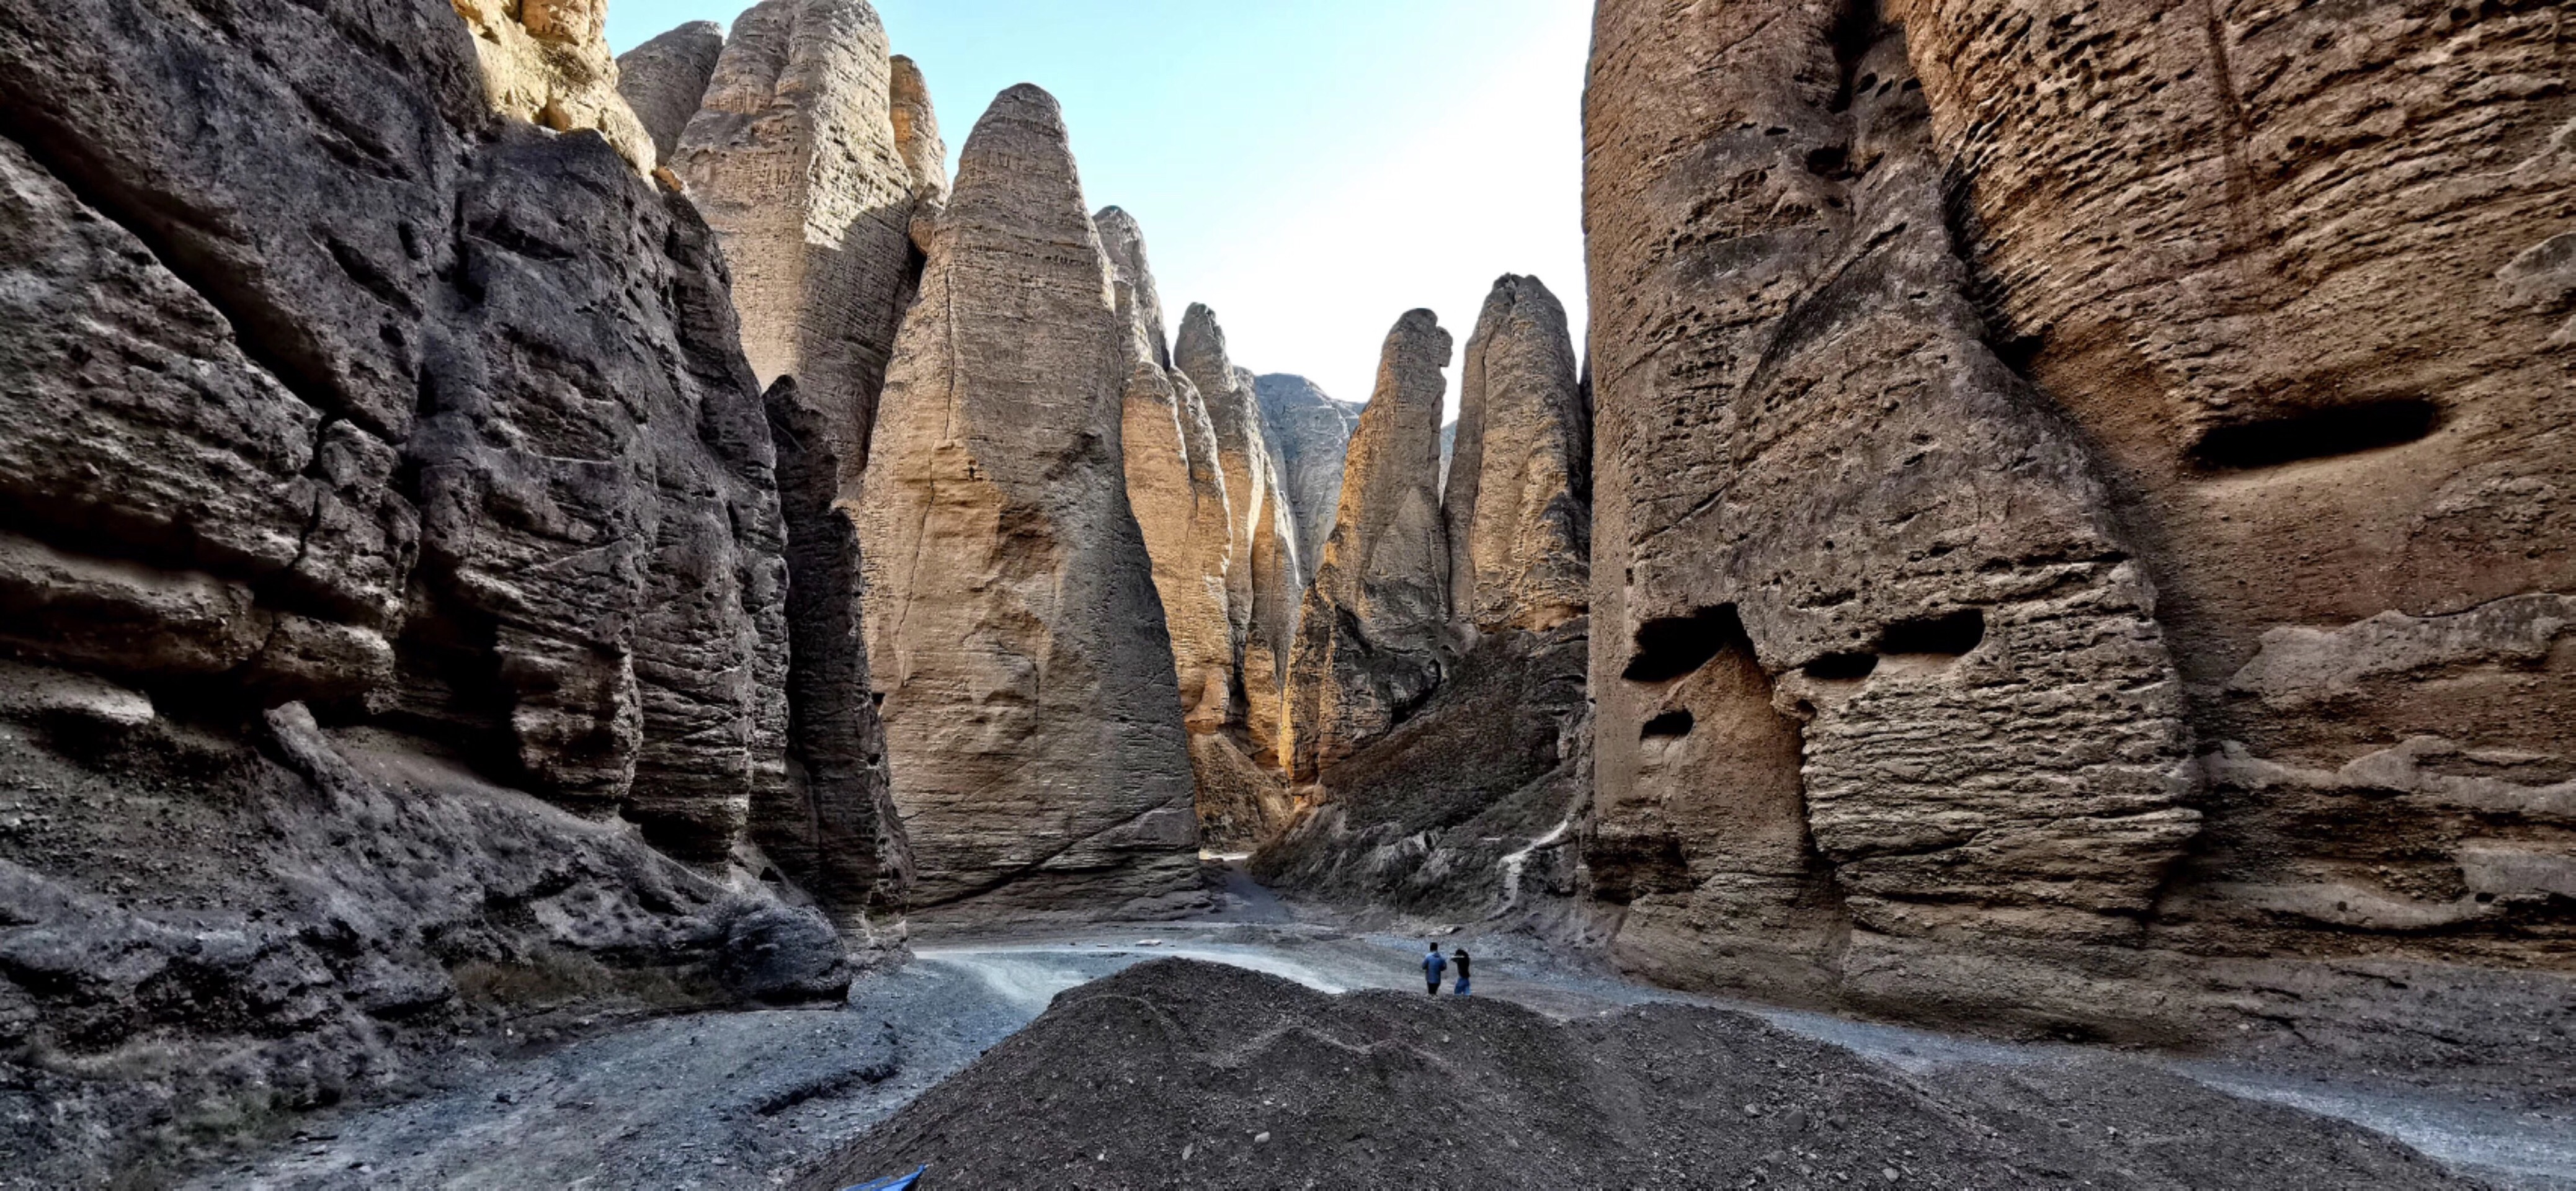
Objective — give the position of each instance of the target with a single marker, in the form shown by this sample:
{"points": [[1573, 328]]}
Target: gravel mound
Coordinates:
{"points": [[1183, 1074]]}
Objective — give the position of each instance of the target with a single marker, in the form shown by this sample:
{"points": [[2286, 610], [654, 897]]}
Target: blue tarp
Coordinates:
{"points": [[901, 1182]]}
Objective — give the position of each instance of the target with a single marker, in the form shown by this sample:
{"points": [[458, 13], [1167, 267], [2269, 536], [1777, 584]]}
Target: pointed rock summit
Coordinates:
{"points": [[1371, 638], [1175, 484], [797, 158], [1518, 481], [1033, 721], [1309, 433], [663, 80], [1262, 587]]}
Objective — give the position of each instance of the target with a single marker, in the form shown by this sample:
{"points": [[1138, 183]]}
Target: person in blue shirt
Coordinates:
{"points": [[1433, 963]]}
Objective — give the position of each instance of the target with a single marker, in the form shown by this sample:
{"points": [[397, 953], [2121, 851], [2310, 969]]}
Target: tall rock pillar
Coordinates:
{"points": [[1032, 716], [1517, 497], [1262, 580], [1371, 638]]}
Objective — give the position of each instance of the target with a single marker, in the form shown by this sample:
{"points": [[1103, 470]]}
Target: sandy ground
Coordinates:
{"points": [[752, 1099]]}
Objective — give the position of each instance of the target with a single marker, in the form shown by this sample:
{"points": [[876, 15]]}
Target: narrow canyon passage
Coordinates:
{"points": [[739, 1099], [1948, 593]]}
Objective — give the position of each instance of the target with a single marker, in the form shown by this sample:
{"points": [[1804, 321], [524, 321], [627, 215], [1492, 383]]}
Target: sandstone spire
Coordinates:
{"points": [[1518, 484], [1371, 637], [916, 129], [1174, 483], [1308, 432], [796, 159], [663, 80], [547, 62], [1262, 579], [1032, 718]]}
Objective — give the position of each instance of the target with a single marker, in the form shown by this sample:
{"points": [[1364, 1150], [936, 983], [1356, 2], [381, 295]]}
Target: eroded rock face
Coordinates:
{"points": [[1262, 587], [1517, 486], [2314, 309], [547, 62], [1309, 432], [796, 158], [1821, 467], [480, 478], [1371, 637], [1032, 716], [1175, 484], [663, 79], [2139, 484]]}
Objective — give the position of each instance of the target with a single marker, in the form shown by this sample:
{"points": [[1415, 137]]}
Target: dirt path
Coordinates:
{"points": [[744, 1100]]}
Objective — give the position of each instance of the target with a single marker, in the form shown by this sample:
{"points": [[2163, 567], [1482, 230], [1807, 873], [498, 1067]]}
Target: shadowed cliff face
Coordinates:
{"points": [[1033, 720], [372, 461], [1975, 478], [800, 150], [663, 79]]}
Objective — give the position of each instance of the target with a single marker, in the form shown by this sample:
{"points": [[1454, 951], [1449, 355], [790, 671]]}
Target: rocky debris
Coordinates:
{"points": [[1464, 811], [1262, 579], [1372, 636], [310, 916], [547, 62], [797, 161], [1959, 707], [664, 79], [1176, 486], [1032, 716], [2329, 369], [485, 468], [1517, 487], [1309, 432], [1182, 1074]]}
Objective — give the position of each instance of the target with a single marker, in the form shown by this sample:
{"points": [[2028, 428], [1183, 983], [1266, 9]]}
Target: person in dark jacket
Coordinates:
{"points": [[1432, 965], [1461, 959]]}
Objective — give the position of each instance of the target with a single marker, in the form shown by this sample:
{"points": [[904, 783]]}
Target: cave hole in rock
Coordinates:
{"points": [[1951, 633], [2315, 434], [1670, 724], [1842, 667], [1672, 646]]}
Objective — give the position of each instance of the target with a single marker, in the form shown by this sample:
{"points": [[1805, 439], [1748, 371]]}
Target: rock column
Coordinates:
{"points": [[1262, 580], [1371, 638], [1517, 495], [1032, 716]]}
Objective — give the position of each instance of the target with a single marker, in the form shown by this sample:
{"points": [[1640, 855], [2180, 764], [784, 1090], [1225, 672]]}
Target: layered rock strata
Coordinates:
{"points": [[1821, 466], [1033, 720], [799, 160], [2316, 310], [2049, 553], [1517, 487], [1262, 584], [664, 79], [478, 486], [1372, 637], [1309, 432]]}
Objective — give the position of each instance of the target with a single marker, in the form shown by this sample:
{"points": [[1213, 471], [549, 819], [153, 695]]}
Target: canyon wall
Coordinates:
{"points": [[800, 150], [2041, 558], [1032, 714], [394, 575], [1310, 433]]}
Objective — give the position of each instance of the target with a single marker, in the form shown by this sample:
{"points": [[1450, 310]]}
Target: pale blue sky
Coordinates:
{"points": [[1310, 169]]}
